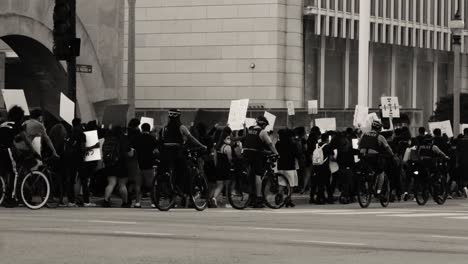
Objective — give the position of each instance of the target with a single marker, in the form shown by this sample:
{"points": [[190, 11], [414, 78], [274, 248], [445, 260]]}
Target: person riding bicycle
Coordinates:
{"points": [[257, 141], [14, 146], [35, 128], [425, 152], [375, 152], [173, 138]]}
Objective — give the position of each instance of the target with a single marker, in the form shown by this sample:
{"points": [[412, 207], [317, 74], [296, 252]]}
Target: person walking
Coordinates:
{"points": [[224, 164], [289, 153]]}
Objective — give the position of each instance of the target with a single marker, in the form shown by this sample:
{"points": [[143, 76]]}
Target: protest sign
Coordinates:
{"points": [[67, 109], [290, 105], [115, 115], [355, 143], [237, 114], [91, 140], [147, 120], [326, 124], [15, 97], [462, 127], [250, 122], [271, 120], [444, 126], [312, 107], [368, 124], [390, 107], [360, 115]]}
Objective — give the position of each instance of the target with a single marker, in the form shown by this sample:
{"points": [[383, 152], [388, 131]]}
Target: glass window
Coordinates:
{"points": [[372, 11], [381, 72], [381, 6], [395, 9], [340, 5], [334, 73], [353, 73], [311, 61], [410, 17], [403, 75], [418, 11], [389, 9], [403, 10], [431, 2], [424, 87]]}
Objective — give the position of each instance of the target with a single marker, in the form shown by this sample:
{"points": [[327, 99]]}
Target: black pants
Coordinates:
{"points": [[173, 159], [82, 171], [323, 181]]}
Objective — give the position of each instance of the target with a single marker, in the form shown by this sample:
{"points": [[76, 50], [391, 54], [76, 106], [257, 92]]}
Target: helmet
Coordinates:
{"points": [[261, 120], [173, 113], [376, 125]]}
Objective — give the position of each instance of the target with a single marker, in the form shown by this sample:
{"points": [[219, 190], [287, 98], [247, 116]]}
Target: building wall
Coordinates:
{"points": [[198, 54], [2, 77]]}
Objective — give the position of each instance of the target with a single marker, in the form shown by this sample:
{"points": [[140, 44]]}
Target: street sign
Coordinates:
{"points": [[390, 107], [84, 68]]}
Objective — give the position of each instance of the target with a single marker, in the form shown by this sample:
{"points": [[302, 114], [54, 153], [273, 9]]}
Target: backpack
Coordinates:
{"points": [[111, 151], [318, 157]]}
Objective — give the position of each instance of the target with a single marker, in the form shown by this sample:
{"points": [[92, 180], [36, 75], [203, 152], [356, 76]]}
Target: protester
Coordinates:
{"points": [[462, 160], [322, 168], [34, 128], [224, 163], [289, 153]]}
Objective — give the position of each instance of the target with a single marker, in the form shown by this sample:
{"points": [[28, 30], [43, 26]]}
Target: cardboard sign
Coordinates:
{"points": [[444, 126], [462, 127], [15, 97], [271, 120], [237, 114], [390, 107], [312, 107], [290, 105], [250, 122], [147, 120], [67, 109], [360, 115], [91, 140], [115, 115], [326, 124]]}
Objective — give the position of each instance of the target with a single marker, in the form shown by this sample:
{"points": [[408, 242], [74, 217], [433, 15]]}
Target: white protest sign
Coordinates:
{"points": [[250, 122], [312, 107], [67, 109], [15, 97], [360, 115], [444, 126], [91, 140], [290, 105], [462, 127], [237, 114], [271, 120], [355, 143], [368, 124], [390, 107], [147, 120], [326, 124]]}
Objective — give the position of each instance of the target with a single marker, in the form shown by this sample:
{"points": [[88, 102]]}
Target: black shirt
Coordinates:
{"points": [[145, 144]]}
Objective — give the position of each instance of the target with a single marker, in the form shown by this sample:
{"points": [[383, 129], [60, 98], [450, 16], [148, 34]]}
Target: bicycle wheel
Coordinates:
{"points": [[275, 190], [162, 193], [364, 190], [2, 190], [199, 192], [439, 189], [385, 194], [239, 192], [421, 191], [35, 190]]}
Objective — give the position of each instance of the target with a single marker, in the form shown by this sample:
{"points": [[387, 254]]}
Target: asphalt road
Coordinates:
{"points": [[403, 233]]}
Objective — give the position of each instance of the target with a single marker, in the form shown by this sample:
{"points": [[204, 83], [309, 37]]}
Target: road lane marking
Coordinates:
{"points": [[328, 242], [111, 222], [276, 229], [424, 214], [131, 233], [450, 237], [54, 219]]}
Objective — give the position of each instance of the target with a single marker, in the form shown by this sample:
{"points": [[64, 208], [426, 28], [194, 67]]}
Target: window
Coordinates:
{"points": [[403, 10], [381, 6], [395, 9], [372, 11], [418, 11]]}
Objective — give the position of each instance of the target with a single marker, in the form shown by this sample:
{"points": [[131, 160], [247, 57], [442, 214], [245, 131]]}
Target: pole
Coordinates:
{"points": [[71, 63], [131, 59], [456, 87]]}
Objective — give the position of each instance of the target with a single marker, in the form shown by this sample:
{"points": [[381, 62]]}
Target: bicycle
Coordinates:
{"points": [[431, 182], [33, 187], [165, 189], [367, 186], [275, 187]]}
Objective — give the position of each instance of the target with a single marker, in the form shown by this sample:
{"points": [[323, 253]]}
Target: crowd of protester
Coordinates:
{"points": [[131, 153]]}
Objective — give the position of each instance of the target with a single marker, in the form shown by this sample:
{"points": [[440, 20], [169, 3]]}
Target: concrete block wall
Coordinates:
{"points": [[198, 54]]}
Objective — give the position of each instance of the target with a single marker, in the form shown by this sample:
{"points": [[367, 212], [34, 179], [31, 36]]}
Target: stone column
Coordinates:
{"points": [[363, 68], [131, 59]]}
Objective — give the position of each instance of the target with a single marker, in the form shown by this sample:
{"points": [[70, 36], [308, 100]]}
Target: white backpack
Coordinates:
{"points": [[318, 157]]}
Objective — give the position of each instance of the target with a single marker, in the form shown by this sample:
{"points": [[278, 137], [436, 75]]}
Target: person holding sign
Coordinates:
{"points": [[375, 152], [256, 143]]}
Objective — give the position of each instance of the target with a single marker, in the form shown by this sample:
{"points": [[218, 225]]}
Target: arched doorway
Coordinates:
{"points": [[36, 71]]}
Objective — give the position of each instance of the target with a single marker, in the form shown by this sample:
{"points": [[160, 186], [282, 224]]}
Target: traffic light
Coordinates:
{"points": [[66, 45]]}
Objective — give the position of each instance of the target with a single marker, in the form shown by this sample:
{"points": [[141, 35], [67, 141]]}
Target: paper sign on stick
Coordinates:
{"points": [[271, 120], [290, 105], [312, 107], [326, 124], [360, 115], [250, 122], [147, 120], [91, 140], [237, 114], [15, 97], [390, 107], [444, 126], [67, 109]]}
